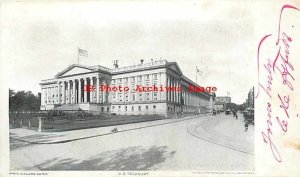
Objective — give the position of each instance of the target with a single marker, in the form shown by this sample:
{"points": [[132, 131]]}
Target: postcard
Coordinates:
{"points": [[150, 88]]}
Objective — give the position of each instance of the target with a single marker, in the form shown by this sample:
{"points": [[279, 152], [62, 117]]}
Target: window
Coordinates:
{"points": [[120, 96], [141, 98], [155, 96], [102, 109], [119, 109], [147, 107], [133, 97], [140, 78], [155, 76], [132, 108], [140, 108], [133, 87], [132, 79], [113, 107], [125, 108], [154, 107], [147, 77], [148, 96]]}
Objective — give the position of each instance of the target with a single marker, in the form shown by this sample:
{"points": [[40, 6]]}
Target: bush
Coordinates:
{"points": [[51, 114], [55, 113]]}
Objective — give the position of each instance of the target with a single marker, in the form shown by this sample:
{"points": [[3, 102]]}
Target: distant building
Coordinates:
{"points": [[221, 103], [250, 99], [223, 99], [66, 90]]}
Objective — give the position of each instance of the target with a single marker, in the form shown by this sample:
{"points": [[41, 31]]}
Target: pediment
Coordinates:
{"points": [[175, 68], [74, 70]]}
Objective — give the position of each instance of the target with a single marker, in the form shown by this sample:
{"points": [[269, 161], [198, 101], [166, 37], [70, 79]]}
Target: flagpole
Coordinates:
{"points": [[78, 55], [196, 74]]}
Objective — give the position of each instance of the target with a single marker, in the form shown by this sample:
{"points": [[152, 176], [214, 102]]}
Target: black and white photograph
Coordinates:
{"points": [[135, 87]]}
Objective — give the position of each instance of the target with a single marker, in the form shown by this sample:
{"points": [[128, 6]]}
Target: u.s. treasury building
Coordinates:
{"points": [[67, 90]]}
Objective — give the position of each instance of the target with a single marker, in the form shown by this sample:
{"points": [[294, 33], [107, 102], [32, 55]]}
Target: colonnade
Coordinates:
{"points": [[75, 91]]}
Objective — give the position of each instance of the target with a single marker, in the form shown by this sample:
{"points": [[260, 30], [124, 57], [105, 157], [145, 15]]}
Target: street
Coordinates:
{"points": [[204, 143]]}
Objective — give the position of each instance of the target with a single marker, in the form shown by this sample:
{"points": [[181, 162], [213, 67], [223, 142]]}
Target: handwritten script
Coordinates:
{"points": [[279, 65]]}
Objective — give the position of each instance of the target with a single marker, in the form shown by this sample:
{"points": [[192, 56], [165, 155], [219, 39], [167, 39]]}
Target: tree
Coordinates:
{"points": [[23, 101]]}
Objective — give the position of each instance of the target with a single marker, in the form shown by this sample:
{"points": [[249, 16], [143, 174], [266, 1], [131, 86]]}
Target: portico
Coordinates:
{"points": [[68, 88]]}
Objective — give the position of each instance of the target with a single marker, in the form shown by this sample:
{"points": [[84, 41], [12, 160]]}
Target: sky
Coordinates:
{"points": [[41, 39]]}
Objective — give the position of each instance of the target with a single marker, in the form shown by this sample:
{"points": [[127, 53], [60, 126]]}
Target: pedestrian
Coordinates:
{"points": [[246, 126]]}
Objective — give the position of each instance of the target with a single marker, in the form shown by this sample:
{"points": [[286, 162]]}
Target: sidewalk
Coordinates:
{"points": [[34, 137]]}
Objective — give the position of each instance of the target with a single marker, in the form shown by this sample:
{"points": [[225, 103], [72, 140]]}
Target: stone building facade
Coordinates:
{"points": [[221, 103], [67, 90]]}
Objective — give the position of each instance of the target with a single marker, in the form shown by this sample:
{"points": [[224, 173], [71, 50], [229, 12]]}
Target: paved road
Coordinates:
{"points": [[204, 143]]}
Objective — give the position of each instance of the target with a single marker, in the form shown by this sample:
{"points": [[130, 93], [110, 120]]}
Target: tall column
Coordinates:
{"points": [[58, 93], [100, 92], [188, 98], [94, 92], [84, 91], [91, 92], [79, 91], [169, 85], [183, 96], [175, 93], [179, 93], [104, 93], [63, 92], [97, 89], [69, 91], [73, 91]]}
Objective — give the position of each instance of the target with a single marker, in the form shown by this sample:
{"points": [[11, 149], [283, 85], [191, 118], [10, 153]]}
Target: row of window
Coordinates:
{"points": [[133, 97], [126, 108], [132, 79]]}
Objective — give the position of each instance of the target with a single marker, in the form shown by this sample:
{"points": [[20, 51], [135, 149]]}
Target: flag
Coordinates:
{"points": [[82, 52], [198, 71]]}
